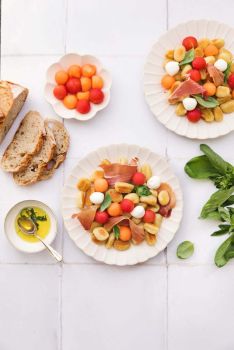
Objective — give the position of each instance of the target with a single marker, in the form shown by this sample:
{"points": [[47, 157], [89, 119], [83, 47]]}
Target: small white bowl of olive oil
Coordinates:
{"points": [[43, 217]]}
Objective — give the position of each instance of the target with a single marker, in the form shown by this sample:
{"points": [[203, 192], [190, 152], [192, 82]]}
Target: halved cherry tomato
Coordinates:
{"points": [[190, 42], [149, 216], [199, 63], [194, 116], [194, 74]]}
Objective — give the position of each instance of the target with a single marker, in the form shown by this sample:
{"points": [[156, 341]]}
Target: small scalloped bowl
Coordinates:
{"points": [[64, 63]]}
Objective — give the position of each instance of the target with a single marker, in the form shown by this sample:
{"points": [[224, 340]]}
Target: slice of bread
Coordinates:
{"points": [[62, 140], [26, 143], [12, 98], [31, 174]]}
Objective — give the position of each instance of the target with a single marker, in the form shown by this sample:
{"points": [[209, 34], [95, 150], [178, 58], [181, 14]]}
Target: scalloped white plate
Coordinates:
{"points": [[64, 64], [153, 72], [136, 254]]}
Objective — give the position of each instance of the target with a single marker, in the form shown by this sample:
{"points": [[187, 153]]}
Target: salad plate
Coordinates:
{"points": [[157, 99], [137, 253]]}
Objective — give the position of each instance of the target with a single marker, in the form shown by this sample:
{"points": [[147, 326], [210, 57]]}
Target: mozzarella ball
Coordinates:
{"points": [[221, 64], [138, 212], [154, 182], [97, 197], [172, 68], [189, 103]]}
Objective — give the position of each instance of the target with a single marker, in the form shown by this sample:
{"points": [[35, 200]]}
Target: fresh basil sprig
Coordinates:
{"points": [[106, 203], [215, 201], [142, 190], [225, 252], [200, 168], [189, 57], [218, 162], [226, 72]]}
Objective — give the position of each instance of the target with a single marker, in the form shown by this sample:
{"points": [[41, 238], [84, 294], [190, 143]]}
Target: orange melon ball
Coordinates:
{"points": [[83, 95], [61, 77], [70, 101], [86, 83], [74, 71], [167, 81], [114, 209], [101, 185], [211, 50], [125, 234], [210, 88], [88, 70], [97, 82]]}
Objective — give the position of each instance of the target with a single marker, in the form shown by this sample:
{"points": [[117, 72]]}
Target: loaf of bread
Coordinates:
{"points": [[34, 169], [62, 140], [27, 142], [12, 98]]}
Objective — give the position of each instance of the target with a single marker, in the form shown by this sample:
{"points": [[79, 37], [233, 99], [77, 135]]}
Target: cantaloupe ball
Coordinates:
{"points": [[167, 81], [70, 101], [61, 77], [97, 82], [74, 71], [86, 83], [83, 95], [101, 185], [210, 88], [88, 70]]}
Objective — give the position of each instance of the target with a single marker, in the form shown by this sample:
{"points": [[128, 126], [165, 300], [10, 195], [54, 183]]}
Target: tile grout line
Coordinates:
{"points": [[166, 251]]}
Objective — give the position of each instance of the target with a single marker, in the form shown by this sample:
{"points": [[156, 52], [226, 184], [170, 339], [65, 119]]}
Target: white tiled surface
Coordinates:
{"points": [[164, 304]]}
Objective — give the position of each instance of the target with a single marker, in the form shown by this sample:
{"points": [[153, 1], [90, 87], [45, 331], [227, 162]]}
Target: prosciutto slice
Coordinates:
{"points": [[86, 216], [187, 88], [138, 233], [118, 172], [216, 75]]}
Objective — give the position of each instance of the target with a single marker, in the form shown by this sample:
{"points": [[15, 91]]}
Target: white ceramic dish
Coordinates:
{"points": [[63, 64], [153, 73], [81, 238], [15, 240]]}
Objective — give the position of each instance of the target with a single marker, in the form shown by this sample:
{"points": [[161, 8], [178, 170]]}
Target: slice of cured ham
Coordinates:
{"points": [[138, 233], [216, 75], [118, 172], [187, 88], [86, 217]]}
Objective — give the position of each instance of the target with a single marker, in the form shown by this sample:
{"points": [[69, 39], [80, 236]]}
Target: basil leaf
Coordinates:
{"points": [[214, 215], [230, 201], [220, 259], [106, 203], [189, 57], [209, 102], [230, 254], [223, 230], [226, 72], [218, 162], [225, 215], [185, 250], [200, 168], [142, 190], [116, 232], [215, 201]]}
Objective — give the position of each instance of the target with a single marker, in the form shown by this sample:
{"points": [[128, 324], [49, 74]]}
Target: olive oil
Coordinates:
{"points": [[43, 225]]}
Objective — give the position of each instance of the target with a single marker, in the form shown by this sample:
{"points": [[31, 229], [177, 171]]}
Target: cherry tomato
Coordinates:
{"points": [[189, 42], [127, 205], [138, 179], [149, 216], [96, 96], [199, 63], [83, 106], [60, 92], [101, 217], [194, 116], [231, 81], [73, 85], [194, 74]]}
